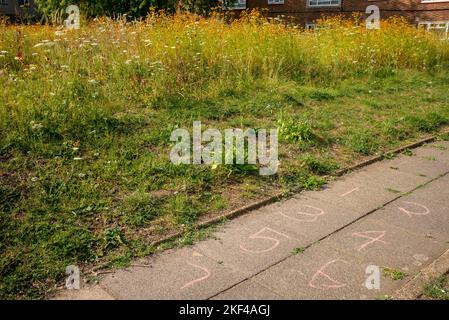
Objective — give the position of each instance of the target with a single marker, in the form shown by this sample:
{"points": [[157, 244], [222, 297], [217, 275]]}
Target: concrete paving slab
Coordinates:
{"points": [[351, 192], [437, 191], [385, 245], [305, 218], [179, 274], [438, 151], [322, 272], [89, 293], [444, 179], [250, 245], [441, 144], [417, 214], [252, 256], [248, 290], [419, 166], [390, 179]]}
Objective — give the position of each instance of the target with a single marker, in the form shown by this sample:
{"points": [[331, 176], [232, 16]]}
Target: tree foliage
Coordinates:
{"points": [[132, 8]]}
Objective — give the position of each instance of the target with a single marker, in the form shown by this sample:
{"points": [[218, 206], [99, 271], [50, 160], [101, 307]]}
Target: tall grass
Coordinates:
{"points": [[59, 78]]}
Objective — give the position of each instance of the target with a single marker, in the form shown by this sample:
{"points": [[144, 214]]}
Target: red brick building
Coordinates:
{"points": [[428, 13]]}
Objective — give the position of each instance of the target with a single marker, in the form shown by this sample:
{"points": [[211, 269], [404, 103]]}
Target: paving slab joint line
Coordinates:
{"points": [[413, 289], [330, 234], [281, 195]]}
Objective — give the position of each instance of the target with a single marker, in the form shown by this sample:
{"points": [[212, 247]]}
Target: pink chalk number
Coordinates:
{"points": [[259, 236]]}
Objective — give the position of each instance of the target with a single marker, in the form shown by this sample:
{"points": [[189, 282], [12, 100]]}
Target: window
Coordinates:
{"points": [[234, 4], [324, 3], [275, 1], [438, 27], [3, 2], [311, 26]]}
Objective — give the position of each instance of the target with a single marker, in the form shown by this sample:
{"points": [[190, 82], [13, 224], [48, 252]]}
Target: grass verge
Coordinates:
{"points": [[86, 118]]}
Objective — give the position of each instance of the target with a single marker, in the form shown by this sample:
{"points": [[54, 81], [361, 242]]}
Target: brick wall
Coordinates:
{"points": [[413, 10]]}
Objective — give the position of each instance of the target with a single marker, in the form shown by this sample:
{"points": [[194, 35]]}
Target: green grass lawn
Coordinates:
{"points": [[86, 118]]}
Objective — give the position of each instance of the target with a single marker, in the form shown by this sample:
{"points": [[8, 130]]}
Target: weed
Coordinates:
{"points": [[388, 156], [393, 274], [437, 288], [296, 130], [313, 183], [319, 166], [427, 123], [444, 136], [297, 251], [112, 238], [141, 208], [393, 190], [363, 142]]}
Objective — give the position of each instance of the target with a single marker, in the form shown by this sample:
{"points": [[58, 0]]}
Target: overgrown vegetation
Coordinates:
{"points": [[86, 117], [393, 274], [438, 288]]}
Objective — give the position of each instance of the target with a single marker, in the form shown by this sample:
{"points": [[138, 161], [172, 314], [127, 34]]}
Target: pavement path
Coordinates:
{"points": [[317, 245]]}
